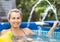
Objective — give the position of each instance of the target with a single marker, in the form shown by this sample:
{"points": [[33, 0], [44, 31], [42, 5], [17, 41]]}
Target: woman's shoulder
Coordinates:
{"points": [[28, 30], [25, 29], [4, 31]]}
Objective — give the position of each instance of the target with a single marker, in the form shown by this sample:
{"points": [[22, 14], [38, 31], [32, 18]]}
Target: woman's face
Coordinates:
{"points": [[15, 20]]}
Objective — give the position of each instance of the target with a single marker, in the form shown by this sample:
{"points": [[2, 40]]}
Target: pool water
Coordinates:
{"points": [[41, 36], [55, 37]]}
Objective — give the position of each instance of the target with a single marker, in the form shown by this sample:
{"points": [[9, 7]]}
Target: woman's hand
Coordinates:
{"points": [[23, 40], [29, 40], [53, 28], [20, 40], [56, 23]]}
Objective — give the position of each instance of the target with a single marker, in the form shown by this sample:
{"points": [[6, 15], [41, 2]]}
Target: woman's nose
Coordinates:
{"points": [[16, 20]]}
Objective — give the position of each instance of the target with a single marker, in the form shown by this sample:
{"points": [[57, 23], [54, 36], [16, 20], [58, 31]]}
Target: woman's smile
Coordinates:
{"points": [[15, 19]]}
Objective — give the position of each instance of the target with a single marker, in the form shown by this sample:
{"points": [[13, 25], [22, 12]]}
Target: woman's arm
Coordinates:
{"points": [[29, 31], [52, 28]]}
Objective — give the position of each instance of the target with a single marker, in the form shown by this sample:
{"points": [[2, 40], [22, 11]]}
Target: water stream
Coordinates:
{"points": [[50, 7]]}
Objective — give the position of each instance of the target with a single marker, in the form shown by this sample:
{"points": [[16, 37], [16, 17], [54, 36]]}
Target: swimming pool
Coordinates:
{"points": [[43, 37], [55, 37]]}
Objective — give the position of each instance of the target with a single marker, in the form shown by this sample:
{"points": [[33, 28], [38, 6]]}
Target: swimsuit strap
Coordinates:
{"points": [[23, 32]]}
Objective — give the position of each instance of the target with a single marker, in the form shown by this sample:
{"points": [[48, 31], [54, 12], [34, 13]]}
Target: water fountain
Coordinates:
{"points": [[32, 12], [52, 7]]}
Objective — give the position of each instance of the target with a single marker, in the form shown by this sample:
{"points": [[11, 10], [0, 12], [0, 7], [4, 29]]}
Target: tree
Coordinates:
{"points": [[26, 6]]}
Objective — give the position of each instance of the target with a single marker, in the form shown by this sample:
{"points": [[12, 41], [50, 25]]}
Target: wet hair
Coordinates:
{"points": [[14, 10]]}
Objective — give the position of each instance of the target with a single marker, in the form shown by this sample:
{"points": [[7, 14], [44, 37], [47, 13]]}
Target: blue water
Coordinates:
{"points": [[43, 37]]}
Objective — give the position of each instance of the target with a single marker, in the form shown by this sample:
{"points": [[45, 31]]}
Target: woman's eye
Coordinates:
{"points": [[18, 18]]}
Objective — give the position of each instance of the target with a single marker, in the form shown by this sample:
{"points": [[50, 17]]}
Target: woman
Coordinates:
{"points": [[15, 19]]}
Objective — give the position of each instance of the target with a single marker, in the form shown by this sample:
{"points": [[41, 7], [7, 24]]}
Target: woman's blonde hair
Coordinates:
{"points": [[14, 10]]}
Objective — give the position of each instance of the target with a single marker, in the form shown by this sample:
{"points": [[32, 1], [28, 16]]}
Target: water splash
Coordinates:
{"points": [[32, 12], [50, 7], [45, 12]]}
